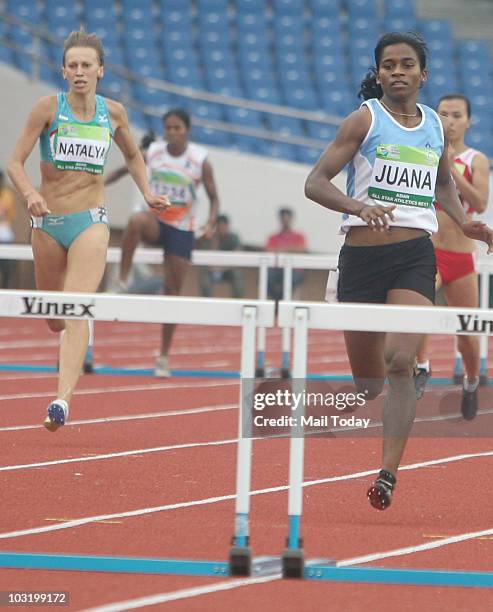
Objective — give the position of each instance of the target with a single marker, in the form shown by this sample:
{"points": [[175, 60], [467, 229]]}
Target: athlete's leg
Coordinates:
{"points": [[50, 264], [86, 261], [175, 270], [400, 406], [142, 227], [365, 352], [464, 292]]}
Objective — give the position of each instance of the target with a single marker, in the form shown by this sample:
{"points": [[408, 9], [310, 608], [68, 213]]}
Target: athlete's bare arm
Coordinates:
{"points": [[39, 119], [211, 189], [133, 156], [319, 186]]}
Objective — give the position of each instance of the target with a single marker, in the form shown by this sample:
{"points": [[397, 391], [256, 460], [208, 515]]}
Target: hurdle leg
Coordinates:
{"points": [[292, 557], [88, 366], [261, 332], [287, 291], [457, 377], [240, 557], [484, 279]]}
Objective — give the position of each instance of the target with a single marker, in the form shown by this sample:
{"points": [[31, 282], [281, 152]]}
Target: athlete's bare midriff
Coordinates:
{"points": [[69, 191], [450, 237], [365, 236]]}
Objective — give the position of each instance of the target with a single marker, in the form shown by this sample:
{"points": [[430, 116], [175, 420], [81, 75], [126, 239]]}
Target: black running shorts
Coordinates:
{"points": [[367, 273]]}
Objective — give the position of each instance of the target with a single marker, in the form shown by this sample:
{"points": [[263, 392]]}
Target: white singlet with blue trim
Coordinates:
{"points": [[397, 165]]}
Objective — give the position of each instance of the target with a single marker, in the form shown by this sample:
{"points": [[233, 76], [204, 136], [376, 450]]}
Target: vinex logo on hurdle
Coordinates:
{"points": [[40, 307], [299, 409]]}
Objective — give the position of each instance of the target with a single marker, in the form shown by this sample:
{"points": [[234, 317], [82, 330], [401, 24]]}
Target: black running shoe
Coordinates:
{"points": [[420, 379], [380, 492], [469, 404]]}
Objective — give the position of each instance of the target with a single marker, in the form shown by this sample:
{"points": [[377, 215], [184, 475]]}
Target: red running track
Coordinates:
{"points": [[141, 445]]}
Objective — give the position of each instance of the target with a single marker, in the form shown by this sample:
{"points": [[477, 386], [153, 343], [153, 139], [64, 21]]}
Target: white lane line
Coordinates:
{"points": [[222, 498], [142, 451], [158, 598], [127, 388], [154, 600], [409, 550], [131, 417], [182, 446]]}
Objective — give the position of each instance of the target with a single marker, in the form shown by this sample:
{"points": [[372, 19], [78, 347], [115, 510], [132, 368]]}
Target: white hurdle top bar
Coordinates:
{"points": [[132, 308], [388, 318]]}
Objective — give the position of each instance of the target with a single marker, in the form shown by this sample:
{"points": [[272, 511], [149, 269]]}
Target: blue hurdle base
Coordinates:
{"points": [[261, 566]]}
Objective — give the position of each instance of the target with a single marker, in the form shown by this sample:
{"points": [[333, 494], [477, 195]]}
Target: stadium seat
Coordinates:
{"points": [[362, 8], [325, 8], [400, 9]]}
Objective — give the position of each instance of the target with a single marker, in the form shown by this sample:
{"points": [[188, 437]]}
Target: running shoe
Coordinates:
{"points": [[57, 415], [469, 404], [420, 376], [162, 368], [380, 492]]}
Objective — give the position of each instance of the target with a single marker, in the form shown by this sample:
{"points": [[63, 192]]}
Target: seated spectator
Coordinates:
{"points": [[222, 240], [285, 241], [7, 215]]}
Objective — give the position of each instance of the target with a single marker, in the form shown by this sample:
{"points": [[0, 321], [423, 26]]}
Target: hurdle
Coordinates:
{"points": [[301, 316], [289, 261], [261, 260], [249, 314]]}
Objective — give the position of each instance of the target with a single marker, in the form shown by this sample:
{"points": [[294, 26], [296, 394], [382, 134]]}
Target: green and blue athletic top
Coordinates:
{"points": [[397, 165], [70, 144]]}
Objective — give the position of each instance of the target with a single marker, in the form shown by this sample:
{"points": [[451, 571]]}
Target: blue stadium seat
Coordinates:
{"points": [[327, 43], [209, 136], [308, 155], [149, 96], [268, 94], [129, 6], [284, 126], [62, 12], [138, 118], [326, 25], [247, 144], [328, 79], [400, 9], [361, 26], [251, 22], [175, 5], [293, 77], [218, 78], [255, 78], [362, 8], [325, 8], [23, 9], [304, 98], [213, 6], [213, 39], [280, 150], [400, 24], [214, 22], [207, 110], [176, 20], [288, 7], [250, 6], [321, 131], [436, 28], [473, 49], [340, 102], [244, 116], [477, 84], [288, 24]]}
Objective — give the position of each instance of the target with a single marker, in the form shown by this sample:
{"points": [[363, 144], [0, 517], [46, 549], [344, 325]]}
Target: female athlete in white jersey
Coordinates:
{"points": [[455, 253], [176, 167], [397, 160], [68, 216]]}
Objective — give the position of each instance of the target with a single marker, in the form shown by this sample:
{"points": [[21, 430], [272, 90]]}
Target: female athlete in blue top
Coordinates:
{"points": [[70, 227], [397, 157]]}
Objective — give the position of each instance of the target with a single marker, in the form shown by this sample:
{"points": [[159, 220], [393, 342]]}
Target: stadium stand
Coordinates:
{"points": [[309, 55]]}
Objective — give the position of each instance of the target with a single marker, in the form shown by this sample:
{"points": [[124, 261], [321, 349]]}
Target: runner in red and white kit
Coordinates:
{"points": [[455, 253]]}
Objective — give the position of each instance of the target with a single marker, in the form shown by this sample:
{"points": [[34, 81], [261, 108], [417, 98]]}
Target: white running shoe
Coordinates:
{"points": [[57, 415], [162, 368]]}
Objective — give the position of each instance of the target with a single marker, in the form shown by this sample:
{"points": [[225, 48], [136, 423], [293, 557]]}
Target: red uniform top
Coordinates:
{"points": [[463, 165]]}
